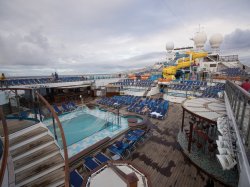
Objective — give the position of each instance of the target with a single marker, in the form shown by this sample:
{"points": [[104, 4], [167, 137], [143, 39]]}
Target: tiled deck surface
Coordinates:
{"points": [[208, 163]]}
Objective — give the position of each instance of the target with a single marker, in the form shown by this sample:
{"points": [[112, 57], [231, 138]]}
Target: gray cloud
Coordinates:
{"points": [[239, 39], [31, 48]]}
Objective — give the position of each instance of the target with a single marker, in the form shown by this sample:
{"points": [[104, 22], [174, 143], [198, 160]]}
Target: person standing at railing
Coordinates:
{"points": [[246, 85], [2, 79]]}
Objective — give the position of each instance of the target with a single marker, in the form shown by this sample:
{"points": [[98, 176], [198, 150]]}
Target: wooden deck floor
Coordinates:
{"points": [[15, 125], [162, 158]]}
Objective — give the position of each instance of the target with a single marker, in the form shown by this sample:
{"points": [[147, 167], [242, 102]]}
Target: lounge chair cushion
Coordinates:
{"points": [[75, 179], [119, 144]]}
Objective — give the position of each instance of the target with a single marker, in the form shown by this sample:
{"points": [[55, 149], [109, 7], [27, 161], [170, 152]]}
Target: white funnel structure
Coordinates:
{"points": [[169, 46], [215, 41], [200, 39]]}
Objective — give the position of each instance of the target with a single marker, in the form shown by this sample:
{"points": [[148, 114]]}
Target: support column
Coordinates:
{"points": [[183, 116], [190, 136]]}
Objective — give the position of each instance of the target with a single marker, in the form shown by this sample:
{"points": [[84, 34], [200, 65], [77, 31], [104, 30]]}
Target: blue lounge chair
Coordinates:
{"points": [[116, 151], [76, 179], [139, 132], [58, 111], [72, 104], [137, 135], [65, 107], [120, 148], [101, 158], [90, 164]]}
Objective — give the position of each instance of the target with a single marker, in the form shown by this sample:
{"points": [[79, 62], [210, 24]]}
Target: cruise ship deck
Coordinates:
{"points": [[145, 130], [167, 155]]}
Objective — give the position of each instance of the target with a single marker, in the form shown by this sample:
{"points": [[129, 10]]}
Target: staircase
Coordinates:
{"points": [[36, 157]]}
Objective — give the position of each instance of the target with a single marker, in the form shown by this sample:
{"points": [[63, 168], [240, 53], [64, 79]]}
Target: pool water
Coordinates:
{"points": [[83, 123], [80, 127]]}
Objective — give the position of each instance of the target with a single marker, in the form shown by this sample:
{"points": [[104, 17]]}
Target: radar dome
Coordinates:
{"points": [[169, 46], [216, 40], [200, 39]]}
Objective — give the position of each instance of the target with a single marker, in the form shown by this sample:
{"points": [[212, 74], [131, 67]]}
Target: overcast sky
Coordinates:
{"points": [[38, 37]]}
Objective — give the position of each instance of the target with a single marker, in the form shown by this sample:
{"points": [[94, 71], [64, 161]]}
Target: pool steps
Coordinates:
{"points": [[36, 157]]}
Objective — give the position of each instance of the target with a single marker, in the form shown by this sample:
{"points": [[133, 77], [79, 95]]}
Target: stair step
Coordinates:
{"points": [[25, 130], [32, 139], [36, 162], [32, 151], [52, 179], [33, 156], [40, 169], [31, 145], [44, 178], [27, 135]]}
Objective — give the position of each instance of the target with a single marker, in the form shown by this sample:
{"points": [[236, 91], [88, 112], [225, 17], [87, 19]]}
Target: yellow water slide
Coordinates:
{"points": [[169, 72]]}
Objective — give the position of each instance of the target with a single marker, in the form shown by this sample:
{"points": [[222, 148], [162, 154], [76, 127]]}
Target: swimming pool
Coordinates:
{"points": [[85, 123]]}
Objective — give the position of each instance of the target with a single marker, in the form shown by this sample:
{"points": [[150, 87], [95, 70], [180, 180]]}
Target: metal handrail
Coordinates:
{"points": [[6, 146], [237, 97], [66, 159], [244, 92]]}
